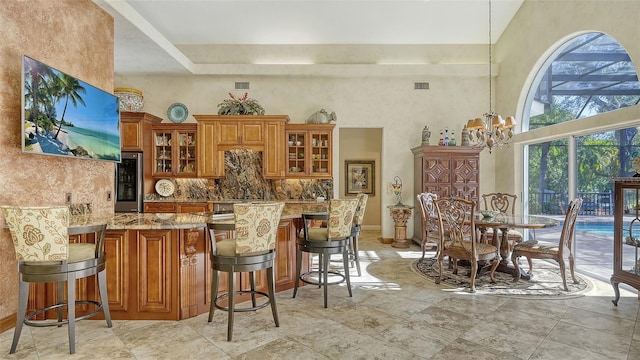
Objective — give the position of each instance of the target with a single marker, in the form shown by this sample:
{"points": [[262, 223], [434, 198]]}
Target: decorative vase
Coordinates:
{"points": [[130, 99], [465, 136], [426, 134]]}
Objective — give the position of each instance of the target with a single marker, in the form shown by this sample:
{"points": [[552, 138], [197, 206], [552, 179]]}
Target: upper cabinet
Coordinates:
{"points": [[309, 150], [174, 150], [134, 126], [260, 133], [235, 132]]}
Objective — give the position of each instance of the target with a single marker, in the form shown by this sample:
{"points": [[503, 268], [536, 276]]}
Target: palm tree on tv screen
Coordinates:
{"points": [[38, 74], [70, 88]]}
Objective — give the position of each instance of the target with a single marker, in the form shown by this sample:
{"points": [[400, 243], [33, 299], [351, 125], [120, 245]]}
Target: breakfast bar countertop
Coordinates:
{"points": [[140, 221], [152, 221]]}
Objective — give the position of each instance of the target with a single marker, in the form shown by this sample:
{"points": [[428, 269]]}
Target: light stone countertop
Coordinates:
{"points": [[153, 221]]}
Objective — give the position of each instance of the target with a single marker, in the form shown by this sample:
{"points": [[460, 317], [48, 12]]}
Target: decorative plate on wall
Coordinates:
{"points": [[177, 112], [165, 187]]}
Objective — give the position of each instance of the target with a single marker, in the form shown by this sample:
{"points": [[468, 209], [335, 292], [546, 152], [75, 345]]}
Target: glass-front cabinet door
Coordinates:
{"points": [[174, 151], [309, 150], [320, 153]]}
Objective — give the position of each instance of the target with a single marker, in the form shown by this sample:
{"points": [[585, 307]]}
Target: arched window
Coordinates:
{"points": [[588, 75]]}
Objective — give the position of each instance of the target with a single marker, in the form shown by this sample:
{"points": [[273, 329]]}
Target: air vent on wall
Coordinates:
{"points": [[421, 86], [242, 85]]}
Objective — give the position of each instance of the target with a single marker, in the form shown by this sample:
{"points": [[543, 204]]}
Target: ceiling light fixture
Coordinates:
{"points": [[491, 130]]}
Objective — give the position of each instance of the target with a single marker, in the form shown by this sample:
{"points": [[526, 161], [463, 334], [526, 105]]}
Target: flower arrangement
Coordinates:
{"points": [[243, 105]]}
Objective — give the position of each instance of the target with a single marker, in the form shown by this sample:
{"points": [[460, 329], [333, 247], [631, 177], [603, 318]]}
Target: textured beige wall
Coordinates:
{"points": [[538, 28], [74, 36]]}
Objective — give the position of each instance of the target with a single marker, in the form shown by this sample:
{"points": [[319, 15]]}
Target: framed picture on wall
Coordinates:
{"points": [[359, 177]]}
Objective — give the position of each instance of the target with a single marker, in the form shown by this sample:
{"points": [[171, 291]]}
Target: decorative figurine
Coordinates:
{"points": [[426, 134]]}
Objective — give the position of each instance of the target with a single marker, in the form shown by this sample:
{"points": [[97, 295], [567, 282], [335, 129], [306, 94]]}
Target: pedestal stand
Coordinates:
{"points": [[400, 214]]}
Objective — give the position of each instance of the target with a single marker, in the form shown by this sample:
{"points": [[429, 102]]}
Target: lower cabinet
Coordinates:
{"points": [[166, 274], [142, 274]]}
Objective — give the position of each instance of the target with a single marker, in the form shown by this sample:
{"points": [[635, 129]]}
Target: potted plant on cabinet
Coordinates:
{"points": [[243, 105]]}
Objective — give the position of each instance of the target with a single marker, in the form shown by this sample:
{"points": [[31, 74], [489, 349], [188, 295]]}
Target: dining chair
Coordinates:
{"points": [[458, 238], [559, 251], [252, 248], [429, 233], [41, 240], [358, 218], [324, 241], [505, 204]]}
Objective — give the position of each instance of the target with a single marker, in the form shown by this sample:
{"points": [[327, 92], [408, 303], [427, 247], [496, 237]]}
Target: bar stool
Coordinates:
{"points": [[41, 240], [324, 241], [358, 218], [252, 249]]}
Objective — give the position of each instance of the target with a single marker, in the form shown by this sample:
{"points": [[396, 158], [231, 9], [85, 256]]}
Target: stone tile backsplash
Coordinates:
{"points": [[243, 180]]}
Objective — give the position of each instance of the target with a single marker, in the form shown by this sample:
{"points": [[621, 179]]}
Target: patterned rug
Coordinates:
{"points": [[546, 283]]}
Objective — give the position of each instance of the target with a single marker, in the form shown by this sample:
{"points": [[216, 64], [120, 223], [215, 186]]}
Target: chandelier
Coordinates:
{"points": [[490, 130]]}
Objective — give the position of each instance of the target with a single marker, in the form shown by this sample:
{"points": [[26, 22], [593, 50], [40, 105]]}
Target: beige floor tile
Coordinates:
{"points": [[393, 314]]}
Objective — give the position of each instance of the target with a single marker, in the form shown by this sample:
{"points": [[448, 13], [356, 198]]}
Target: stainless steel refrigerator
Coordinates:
{"points": [[129, 183]]}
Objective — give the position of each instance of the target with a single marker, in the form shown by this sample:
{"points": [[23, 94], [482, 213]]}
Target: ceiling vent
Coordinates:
{"points": [[421, 86], [242, 85]]}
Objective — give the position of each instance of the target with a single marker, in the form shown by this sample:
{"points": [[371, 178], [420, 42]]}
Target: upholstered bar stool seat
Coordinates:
{"points": [[251, 249], [41, 240], [325, 241]]}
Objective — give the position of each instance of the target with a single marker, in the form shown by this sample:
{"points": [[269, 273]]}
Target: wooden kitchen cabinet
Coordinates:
{"points": [[273, 157], [142, 277], [309, 150], [160, 207], [240, 132], [174, 150], [188, 207], [173, 207], [259, 133], [135, 130], [444, 171]]}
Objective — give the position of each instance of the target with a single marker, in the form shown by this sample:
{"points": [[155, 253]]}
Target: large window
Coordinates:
{"points": [[589, 75]]}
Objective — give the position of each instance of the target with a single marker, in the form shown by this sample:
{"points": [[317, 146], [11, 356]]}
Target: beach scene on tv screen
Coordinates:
{"points": [[66, 116]]}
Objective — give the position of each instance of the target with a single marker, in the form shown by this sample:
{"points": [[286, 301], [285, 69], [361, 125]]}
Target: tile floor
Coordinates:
{"points": [[394, 314]]}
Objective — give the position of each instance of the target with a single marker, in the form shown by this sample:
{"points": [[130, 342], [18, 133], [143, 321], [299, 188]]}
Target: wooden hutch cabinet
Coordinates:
{"points": [[174, 150], [309, 150], [445, 171], [626, 235]]}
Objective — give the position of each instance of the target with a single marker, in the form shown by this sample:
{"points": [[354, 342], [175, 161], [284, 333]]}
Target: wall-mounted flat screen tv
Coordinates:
{"points": [[65, 116]]}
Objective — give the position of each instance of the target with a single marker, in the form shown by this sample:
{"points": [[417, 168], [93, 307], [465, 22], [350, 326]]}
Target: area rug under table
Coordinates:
{"points": [[546, 283]]}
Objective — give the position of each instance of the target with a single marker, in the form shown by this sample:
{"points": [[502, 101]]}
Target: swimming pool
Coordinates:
{"points": [[605, 228]]}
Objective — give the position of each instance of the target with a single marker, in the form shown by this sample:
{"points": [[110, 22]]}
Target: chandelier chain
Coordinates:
{"points": [[490, 61]]}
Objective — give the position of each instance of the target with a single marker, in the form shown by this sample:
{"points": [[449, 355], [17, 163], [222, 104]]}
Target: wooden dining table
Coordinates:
{"points": [[504, 223]]}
